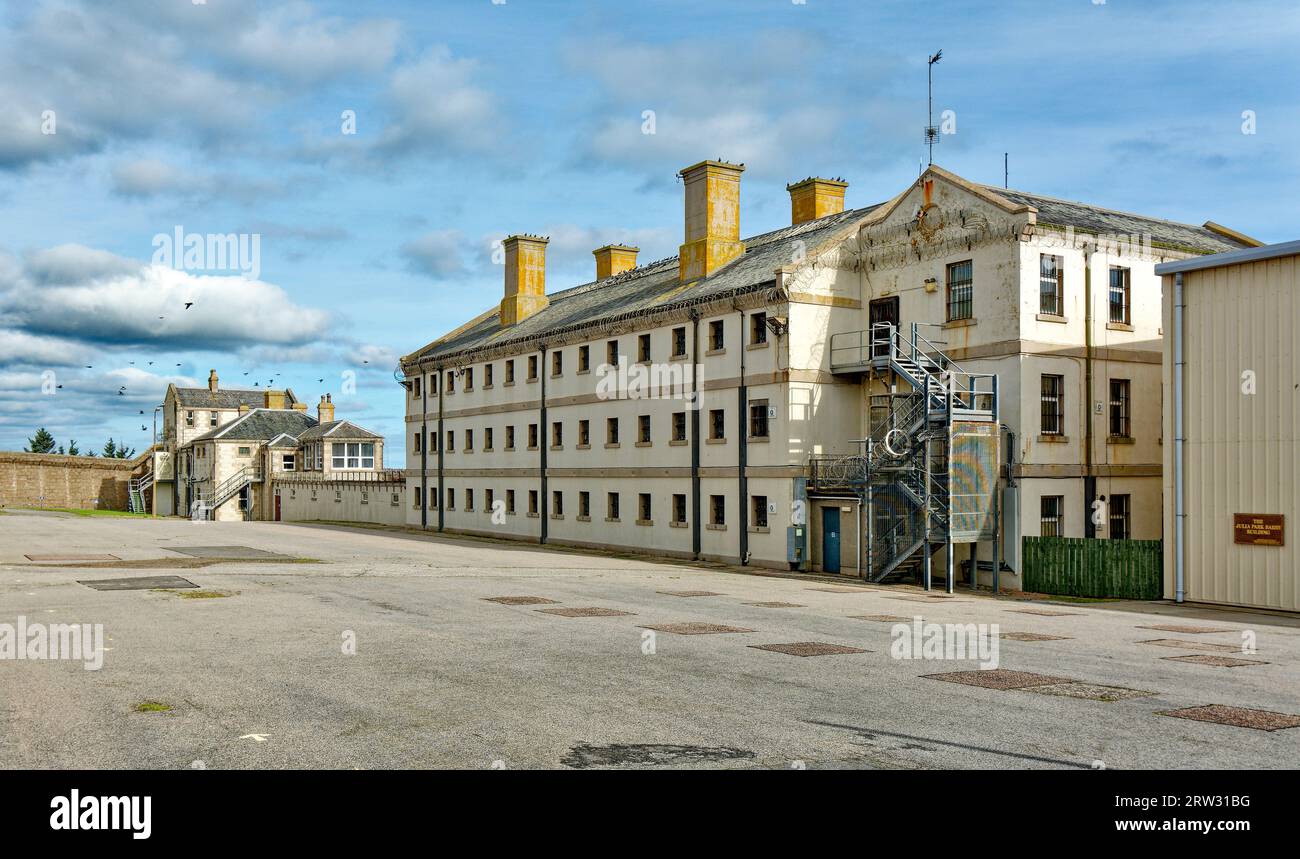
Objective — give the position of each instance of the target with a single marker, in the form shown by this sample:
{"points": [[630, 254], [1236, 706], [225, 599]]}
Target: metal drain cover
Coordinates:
{"points": [[1089, 691], [1193, 645], [585, 612], [1032, 636], [696, 628], [520, 600], [690, 593], [139, 583], [1237, 717], [882, 618], [998, 678], [1042, 612], [1188, 630], [225, 553], [776, 604], [72, 557], [1216, 661], [808, 648]]}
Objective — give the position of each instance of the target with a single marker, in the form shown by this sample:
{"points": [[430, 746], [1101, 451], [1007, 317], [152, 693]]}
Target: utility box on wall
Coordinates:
{"points": [[796, 545]]}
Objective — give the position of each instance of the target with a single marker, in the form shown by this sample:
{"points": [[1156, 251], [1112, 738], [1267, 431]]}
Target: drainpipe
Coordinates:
{"points": [[424, 448], [695, 433], [1089, 480], [442, 444], [743, 455], [543, 442], [1180, 510]]}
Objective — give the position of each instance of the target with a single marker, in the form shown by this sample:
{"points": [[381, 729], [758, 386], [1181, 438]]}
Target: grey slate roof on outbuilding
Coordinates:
{"points": [[1095, 220], [651, 287], [337, 429], [226, 398], [262, 425]]}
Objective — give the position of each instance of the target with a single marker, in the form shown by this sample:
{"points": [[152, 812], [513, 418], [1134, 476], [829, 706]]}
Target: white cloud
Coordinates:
{"points": [[437, 254], [436, 106], [292, 42]]}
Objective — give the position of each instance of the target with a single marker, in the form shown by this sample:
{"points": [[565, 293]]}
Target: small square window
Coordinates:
{"points": [[758, 328]]}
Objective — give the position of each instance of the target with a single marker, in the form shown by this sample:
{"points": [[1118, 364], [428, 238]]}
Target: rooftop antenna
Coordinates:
{"points": [[931, 131]]}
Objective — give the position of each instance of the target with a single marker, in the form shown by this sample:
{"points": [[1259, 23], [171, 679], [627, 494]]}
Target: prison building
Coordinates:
{"points": [[855, 392]]}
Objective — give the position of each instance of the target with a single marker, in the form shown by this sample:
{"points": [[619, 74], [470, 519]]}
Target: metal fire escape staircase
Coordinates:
{"points": [[228, 488], [902, 476], [136, 489]]}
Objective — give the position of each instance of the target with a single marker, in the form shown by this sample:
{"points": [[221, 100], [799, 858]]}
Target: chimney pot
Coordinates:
{"points": [[814, 198], [525, 279], [325, 410], [614, 259]]}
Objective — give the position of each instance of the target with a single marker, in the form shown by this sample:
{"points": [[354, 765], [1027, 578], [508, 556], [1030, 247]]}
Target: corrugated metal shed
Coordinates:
{"points": [[1241, 407]]}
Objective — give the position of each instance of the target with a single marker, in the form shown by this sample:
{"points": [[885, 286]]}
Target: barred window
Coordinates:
{"points": [[1052, 517], [717, 424], [759, 513], [584, 359], [758, 419], [679, 508], [1121, 295], [1053, 405], [611, 506], [679, 342], [1120, 420], [1051, 285], [584, 505], [961, 289], [1121, 524], [679, 426]]}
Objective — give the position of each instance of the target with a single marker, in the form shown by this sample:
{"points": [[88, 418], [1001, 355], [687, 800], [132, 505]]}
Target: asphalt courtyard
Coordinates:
{"points": [[387, 649]]}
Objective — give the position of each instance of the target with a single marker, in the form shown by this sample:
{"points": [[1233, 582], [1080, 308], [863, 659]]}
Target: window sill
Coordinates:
{"points": [[645, 521], [534, 515], [759, 439], [507, 450], [614, 519], [677, 442], [645, 444], [531, 447], [487, 387], [583, 518], [715, 441], [712, 527], [678, 524], [714, 352], [1051, 317], [530, 381], [612, 445], [468, 450], [759, 529], [507, 384], [556, 375], [557, 515], [762, 345], [487, 450], [1054, 439], [584, 447], [582, 373], [959, 323], [1120, 439], [1119, 326], [681, 357], [557, 447]]}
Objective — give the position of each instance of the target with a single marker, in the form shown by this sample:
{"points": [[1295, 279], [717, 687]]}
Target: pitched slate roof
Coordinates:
{"points": [[337, 429], [262, 425], [227, 398], [1096, 220], [283, 440], [650, 287]]}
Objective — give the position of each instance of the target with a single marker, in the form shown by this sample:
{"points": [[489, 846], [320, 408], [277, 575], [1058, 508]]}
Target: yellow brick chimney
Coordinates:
{"points": [[274, 399], [815, 198], [614, 259], [525, 278], [712, 218], [325, 409]]}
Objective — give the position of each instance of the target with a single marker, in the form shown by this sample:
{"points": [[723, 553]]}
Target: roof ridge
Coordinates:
{"points": [[1126, 214]]}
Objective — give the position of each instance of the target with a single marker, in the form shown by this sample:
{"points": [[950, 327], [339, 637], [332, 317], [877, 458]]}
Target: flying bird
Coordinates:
{"points": [[188, 305]]}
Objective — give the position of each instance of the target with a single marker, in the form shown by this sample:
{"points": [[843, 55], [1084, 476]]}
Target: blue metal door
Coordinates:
{"points": [[831, 539]]}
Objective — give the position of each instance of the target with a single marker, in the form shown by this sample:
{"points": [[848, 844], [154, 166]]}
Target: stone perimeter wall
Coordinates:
{"points": [[53, 480]]}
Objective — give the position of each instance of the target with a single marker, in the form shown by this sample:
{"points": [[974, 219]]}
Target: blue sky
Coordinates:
{"points": [[476, 119]]}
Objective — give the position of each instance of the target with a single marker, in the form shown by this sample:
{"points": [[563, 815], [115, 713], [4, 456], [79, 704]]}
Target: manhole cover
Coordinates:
{"points": [[225, 553], [998, 678], [520, 600], [808, 648], [585, 612], [139, 583], [910, 599], [1032, 636], [1193, 645], [1189, 630], [1042, 612], [696, 628], [689, 593], [72, 557], [1217, 661], [836, 590], [1237, 717], [1089, 691], [882, 618], [776, 604], [584, 755]]}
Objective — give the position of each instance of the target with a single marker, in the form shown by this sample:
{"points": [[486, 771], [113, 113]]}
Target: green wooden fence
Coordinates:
{"points": [[1083, 567]]}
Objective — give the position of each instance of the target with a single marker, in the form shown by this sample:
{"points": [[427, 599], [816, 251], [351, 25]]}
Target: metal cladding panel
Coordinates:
{"points": [[972, 479], [1241, 409]]}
